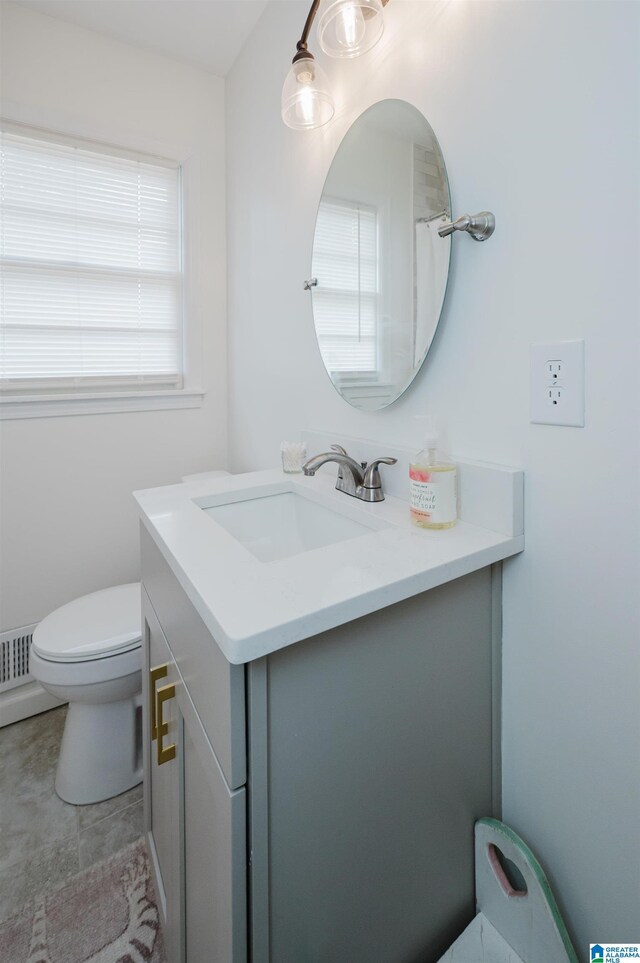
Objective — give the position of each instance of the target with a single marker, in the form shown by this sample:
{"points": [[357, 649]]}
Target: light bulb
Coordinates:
{"points": [[350, 26], [306, 101], [304, 107]]}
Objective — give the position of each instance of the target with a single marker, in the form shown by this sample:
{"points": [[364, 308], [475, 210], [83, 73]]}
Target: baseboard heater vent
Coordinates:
{"points": [[14, 657]]}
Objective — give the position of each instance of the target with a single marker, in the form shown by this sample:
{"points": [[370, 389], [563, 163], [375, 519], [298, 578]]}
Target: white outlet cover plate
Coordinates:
{"points": [[554, 365]]}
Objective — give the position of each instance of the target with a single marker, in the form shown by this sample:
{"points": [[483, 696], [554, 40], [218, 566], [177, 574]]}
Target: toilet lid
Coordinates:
{"points": [[92, 627]]}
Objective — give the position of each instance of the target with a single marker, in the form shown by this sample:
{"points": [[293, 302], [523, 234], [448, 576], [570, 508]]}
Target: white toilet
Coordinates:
{"points": [[89, 653]]}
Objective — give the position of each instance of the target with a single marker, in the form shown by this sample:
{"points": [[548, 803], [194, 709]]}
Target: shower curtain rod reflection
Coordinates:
{"points": [[433, 217]]}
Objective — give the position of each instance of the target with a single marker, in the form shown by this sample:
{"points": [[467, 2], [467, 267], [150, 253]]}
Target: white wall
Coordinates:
{"points": [[69, 524], [536, 108]]}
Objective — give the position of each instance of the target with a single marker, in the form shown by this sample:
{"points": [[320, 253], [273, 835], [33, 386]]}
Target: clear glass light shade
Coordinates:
{"points": [[348, 28], [306, 101]]}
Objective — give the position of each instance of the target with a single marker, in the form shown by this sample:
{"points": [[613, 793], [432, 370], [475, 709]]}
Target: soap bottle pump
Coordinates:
{"points": [[432, 483]]}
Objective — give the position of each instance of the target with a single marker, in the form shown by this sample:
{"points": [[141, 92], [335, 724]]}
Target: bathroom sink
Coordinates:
{"points": [[283, 524], [268, 559]]}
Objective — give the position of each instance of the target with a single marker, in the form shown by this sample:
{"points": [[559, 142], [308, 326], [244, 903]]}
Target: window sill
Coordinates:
{"points": [[13, 407]]}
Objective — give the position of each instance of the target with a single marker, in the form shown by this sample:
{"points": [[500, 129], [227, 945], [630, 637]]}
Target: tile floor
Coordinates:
{"points": [[43, 840]]}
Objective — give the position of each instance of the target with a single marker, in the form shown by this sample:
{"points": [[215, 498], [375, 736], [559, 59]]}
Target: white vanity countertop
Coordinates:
{"points": [[253, 608]]}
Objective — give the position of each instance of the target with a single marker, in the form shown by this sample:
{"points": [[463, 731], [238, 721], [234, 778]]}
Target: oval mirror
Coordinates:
{"points": [[379, 268]]}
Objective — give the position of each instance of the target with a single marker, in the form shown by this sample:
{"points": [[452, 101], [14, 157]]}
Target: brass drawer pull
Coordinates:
{"points": [[155, 675], [163, 694]]}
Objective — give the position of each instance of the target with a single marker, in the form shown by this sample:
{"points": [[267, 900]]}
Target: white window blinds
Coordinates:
{"points": [[345, 301], [91, 268]]}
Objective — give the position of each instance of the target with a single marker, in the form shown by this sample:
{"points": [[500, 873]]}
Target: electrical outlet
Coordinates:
{"points": [[557, 383], [557, 395]]}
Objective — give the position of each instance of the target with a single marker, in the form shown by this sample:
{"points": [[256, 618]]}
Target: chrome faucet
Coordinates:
{"points": [[359, 480]]}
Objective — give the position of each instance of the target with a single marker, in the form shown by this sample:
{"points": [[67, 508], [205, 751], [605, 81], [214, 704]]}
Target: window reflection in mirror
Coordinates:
{"points": [[346, 307], [380, 264]]}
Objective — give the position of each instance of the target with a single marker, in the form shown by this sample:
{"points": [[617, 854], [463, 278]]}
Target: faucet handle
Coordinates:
{"points": [[372, 475], [341, 451]]}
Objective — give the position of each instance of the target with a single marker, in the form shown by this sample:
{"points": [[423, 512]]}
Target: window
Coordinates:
{"points": [[345, 301], [91, 268]]}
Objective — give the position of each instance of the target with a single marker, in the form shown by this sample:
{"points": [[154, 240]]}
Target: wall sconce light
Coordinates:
{"points": [[346, 29]]}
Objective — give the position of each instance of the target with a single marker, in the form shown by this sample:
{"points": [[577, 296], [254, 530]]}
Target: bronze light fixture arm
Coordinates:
{"points": [[301, 45]]}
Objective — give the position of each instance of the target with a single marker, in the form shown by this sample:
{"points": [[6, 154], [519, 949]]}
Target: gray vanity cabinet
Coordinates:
{"points": [[196, 825], [163, 788], [326, 793]]}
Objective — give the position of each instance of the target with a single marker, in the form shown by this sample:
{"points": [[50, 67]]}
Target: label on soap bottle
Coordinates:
{"points": [[432, 493]]}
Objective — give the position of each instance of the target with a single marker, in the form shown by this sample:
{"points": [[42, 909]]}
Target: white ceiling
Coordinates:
{"points": [[206, 33]]}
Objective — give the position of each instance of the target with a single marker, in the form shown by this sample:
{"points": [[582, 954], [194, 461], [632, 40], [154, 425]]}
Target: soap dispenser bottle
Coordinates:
{"points": [[433, 484]]}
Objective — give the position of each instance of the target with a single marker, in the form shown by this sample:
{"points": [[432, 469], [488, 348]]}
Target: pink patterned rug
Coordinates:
{"points": [[107, 914]]}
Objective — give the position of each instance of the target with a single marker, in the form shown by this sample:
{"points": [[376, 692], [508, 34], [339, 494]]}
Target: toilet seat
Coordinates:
{"points": [[86, 671], [99, 626]]}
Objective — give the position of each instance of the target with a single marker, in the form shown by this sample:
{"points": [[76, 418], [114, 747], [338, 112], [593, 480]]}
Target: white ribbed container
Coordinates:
{"points": [[294, 455]]}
